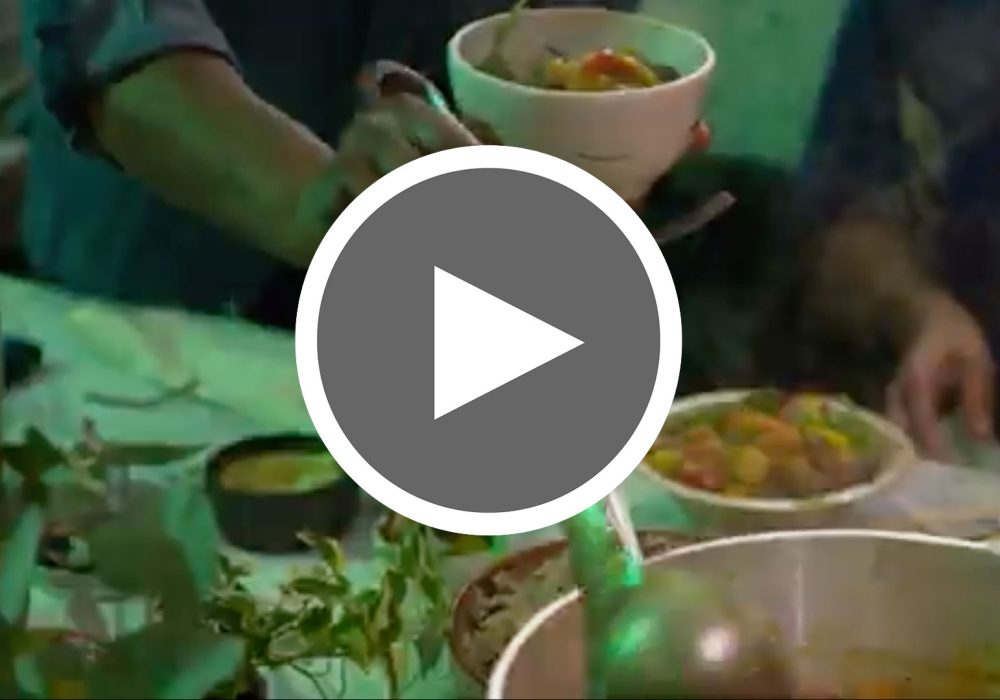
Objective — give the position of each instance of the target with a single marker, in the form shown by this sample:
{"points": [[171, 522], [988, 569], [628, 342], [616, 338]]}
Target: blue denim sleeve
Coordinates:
{"points": [[856, 150], [79, 46]]}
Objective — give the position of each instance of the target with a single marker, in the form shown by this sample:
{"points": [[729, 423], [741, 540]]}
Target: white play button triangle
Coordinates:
{"points": [[481, 343]]}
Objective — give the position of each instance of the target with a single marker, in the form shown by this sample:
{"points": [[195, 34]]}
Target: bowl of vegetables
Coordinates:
{"points": [[739, 461], [613, 92]]}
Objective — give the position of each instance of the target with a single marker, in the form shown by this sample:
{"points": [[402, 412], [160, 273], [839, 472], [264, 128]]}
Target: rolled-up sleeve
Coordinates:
{"points": [[81, 46]]}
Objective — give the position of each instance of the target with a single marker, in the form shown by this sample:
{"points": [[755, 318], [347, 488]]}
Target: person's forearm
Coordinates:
{"points": [[867, 282], [187, 125]]}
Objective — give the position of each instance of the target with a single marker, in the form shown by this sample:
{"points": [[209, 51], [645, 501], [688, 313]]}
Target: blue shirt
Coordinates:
{"points": [[90, 227], [945, 55]]}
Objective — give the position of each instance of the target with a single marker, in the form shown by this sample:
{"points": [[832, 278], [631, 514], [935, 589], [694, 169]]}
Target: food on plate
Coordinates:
{"points": [[280, 472], [603, 70], [769, 445]]}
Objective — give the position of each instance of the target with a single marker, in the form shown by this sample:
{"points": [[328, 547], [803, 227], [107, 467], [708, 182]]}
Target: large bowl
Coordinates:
{"points": [[466, 615], [851, 606], [626, 138], [713, 513]]}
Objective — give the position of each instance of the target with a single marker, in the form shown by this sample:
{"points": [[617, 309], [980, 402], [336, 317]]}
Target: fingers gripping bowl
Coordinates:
{"points": [[740, 461], [626, 134]]}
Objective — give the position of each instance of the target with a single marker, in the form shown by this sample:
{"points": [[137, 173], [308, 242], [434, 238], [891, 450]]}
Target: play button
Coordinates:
{"points": [[488, 340], [481, 342]]}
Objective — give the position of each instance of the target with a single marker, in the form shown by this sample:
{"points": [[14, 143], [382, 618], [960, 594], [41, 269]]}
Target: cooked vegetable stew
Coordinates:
{"points": [[769, 445], [603, 70]]}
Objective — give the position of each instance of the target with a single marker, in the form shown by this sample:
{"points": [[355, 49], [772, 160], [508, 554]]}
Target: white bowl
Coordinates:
{"points": [[626, 138], [720, 514]]}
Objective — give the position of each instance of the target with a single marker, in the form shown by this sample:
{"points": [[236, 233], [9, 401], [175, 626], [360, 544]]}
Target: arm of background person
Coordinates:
{"points": [[864, 276], [154, 87]]}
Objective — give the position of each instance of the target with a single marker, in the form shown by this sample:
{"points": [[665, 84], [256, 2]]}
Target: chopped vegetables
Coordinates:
{"points": [[603, 70], [768, 445]]}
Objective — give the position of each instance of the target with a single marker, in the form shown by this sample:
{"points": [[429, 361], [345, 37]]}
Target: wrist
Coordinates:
{"points": [[318, 204], [926, 302]]}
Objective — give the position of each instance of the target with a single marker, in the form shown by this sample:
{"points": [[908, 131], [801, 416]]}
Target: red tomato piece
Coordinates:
{"points": [[609, 63]]}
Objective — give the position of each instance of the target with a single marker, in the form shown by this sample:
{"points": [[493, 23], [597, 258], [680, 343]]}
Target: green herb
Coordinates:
{"points": [[206, 635]]}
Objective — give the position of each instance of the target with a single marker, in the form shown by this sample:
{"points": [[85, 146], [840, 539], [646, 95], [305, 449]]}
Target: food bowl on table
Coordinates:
{"points": [[744, 461], [627, 134], [490, 608], [855, 613], [266, 491]]}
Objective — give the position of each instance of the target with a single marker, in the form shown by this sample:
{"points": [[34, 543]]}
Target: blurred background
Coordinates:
{"points": [[772, 55]]}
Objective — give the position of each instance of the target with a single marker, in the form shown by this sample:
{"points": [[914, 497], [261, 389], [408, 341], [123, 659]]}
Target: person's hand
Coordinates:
{"points": [[394, 132], [949, 358], [398, 130], [701, 138]]}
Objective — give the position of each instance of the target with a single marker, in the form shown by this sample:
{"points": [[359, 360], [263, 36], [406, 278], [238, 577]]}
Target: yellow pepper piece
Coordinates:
{"points": [[747, 422], [666, 461], [751, 465], [558, 72], [644, 75], [831, 437]]}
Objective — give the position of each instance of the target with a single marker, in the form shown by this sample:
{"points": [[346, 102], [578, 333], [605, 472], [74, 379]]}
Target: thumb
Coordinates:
{"points": [[701, 137], [428, 127]]}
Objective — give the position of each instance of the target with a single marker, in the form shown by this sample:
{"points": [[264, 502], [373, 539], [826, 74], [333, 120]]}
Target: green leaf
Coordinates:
{"points": [[216, 661], [167, 662], [28, 677], [357, 647], [33, 457], [315, 621], [317, 587], [232, 571], [386, 621], [430, 646], [288, 645], [189, 519], [132, 555], [328, 549], [433, 588], [17, 564], [409, 559]]}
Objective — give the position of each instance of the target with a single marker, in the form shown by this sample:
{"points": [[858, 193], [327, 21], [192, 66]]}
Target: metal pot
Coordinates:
{"points": [[850, 607]]}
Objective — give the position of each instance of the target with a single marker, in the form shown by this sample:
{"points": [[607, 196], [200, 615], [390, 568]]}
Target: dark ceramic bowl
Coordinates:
{"points": [[271, 522]]}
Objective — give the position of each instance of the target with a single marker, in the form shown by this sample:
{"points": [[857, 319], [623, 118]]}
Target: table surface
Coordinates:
{"points": [[93, 348]]}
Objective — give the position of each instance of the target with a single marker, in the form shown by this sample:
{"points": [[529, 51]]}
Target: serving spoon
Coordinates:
{"points": [[668, 634], [495, 63]]}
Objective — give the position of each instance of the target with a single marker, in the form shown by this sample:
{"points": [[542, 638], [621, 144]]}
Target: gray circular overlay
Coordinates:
{"points": [[533, 243]]}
